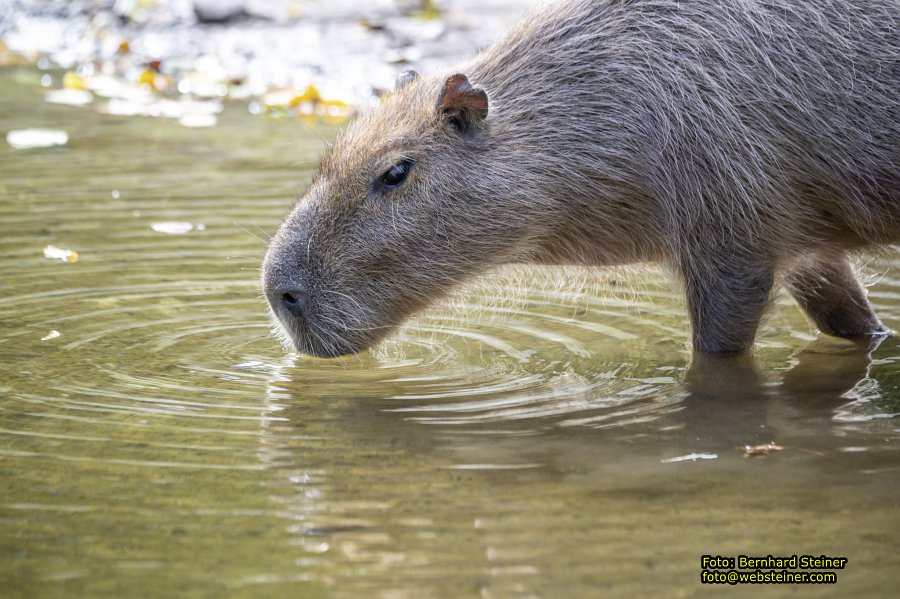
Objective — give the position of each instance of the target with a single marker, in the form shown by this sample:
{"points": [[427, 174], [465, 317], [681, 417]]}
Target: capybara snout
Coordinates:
{"points": [[381, 233]]}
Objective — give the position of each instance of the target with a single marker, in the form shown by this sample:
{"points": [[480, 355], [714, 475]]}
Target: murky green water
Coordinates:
{"points": [[163, 444]]}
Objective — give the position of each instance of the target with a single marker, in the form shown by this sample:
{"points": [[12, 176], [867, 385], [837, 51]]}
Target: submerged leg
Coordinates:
{"points": [[726, 299], [829, 292]]}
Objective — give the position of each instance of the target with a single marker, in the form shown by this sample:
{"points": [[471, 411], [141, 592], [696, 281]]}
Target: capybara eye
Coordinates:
{"points": [[396, 174]]}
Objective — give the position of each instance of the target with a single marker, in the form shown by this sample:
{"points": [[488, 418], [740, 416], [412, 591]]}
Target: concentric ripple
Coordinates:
{"points": [[527, 435]]}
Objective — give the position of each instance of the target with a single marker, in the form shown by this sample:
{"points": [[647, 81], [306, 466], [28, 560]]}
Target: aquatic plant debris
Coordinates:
{"points": [[51, 335], [760, 450], [22, 139], [691, 457], [61, 254], [175, 228]]}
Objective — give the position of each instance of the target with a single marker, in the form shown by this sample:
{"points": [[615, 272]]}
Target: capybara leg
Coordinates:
{"points": [[829, 291], [726, 299]]}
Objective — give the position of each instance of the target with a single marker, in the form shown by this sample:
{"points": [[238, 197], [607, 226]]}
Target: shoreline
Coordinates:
{"points": [[314, 60]]}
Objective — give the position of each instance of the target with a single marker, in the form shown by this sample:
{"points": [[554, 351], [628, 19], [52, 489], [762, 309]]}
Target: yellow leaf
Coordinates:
{"points": [[310, 95], [72, 80], [334, 111], [64, 255], [430, 11], [148, 78]]}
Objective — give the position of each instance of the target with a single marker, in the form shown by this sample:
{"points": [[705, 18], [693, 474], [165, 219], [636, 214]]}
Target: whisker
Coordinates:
{"points": [[265, 240]]}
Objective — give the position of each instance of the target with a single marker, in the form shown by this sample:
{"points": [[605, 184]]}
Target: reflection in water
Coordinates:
{"points": [[380, 490], [521, 440], [732, 395]]}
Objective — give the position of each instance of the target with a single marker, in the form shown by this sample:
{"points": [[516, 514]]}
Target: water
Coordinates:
{"points": [[514, 442]]}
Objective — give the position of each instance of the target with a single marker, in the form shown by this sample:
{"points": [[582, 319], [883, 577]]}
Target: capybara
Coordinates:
{"points": [[738, 142]]}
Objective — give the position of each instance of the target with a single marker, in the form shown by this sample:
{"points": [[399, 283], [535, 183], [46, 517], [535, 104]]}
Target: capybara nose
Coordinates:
{"points": [[291, 300], [287, 302]]}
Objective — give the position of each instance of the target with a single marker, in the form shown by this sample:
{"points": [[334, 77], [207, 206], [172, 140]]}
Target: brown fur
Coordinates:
{"points": [[730, 139]]}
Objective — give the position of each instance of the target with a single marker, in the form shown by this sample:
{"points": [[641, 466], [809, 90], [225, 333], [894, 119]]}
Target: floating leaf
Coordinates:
{"points": [[172, 228], [72, 80], [64, 255], [691, 457], [311, 94], [36, 138], [152, 79], [760, 450]]}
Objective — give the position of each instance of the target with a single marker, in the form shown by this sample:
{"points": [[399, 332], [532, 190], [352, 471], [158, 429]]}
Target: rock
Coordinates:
{"points": [[218, 11]]}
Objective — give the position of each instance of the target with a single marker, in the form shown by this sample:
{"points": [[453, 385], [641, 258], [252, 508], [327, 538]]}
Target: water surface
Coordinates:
{"points": [[521, 440]]}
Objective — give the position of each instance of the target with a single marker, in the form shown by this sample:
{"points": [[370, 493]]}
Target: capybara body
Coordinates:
{"points": [[739, 142]]}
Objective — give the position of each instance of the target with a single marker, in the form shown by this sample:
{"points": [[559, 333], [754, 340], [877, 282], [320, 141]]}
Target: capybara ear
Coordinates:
{"points": [[462, 105], [404, 78]]}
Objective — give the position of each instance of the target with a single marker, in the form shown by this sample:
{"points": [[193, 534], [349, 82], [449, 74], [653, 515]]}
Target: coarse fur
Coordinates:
{"points": [[729, 139]]}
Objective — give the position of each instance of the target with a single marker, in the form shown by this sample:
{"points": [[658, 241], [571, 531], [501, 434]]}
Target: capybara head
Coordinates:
{"points": [[397, 213]]}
